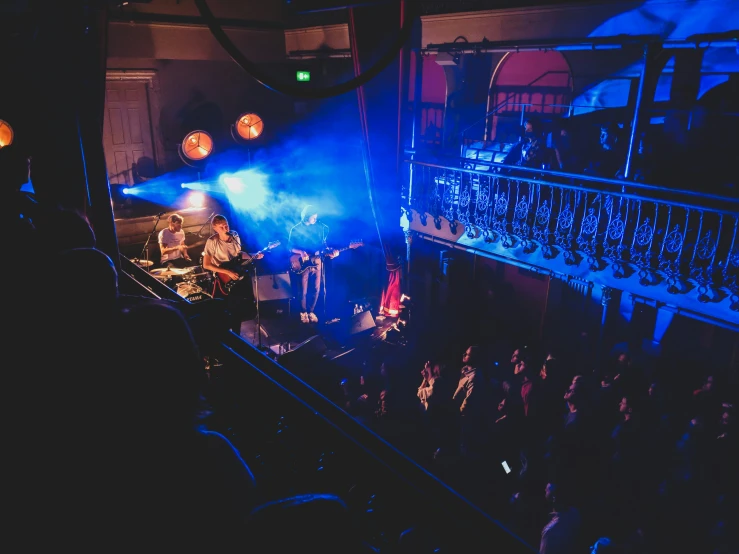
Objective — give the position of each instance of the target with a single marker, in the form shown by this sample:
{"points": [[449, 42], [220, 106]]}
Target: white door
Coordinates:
{"points": [[127, 134]]}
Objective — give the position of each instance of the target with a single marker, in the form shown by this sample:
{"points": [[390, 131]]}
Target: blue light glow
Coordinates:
{"points": [[246, 190], [670, 21]]}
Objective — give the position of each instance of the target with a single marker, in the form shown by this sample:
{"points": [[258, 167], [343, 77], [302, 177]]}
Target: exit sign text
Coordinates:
{"points": [[302, 75]]}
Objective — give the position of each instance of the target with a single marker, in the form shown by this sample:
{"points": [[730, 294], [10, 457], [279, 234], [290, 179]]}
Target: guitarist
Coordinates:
{"points": [[223, 247], [306, 238]]}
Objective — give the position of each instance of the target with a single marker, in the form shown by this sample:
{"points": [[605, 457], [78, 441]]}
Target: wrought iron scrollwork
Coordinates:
{"points": [[683, 246]]}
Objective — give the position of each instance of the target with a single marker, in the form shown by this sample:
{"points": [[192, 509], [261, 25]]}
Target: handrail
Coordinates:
{"points": [[621, 184], [604, 180]]}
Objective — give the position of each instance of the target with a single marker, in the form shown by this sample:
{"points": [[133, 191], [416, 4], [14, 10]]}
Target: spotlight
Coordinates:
{"points": [[248, 127], [6, 134], [196, 147], [196, 200], [125, 190]]}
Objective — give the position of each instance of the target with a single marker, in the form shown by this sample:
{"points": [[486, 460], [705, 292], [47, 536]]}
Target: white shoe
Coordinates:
{"points": [[304, 317], [312, 317]]}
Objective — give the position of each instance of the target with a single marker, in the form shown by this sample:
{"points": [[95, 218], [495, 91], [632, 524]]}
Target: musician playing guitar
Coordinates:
{"points": [[222, 250], [305, 239]]}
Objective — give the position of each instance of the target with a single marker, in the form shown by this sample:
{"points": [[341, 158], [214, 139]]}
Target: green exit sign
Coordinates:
{"points": [[302, 75]]}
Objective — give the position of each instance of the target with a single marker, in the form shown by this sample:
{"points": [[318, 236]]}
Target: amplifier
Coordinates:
{"points": [[272, 287]]}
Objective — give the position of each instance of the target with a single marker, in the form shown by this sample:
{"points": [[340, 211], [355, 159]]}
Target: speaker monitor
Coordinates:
{"points": [[361, 322], [272, 287], [303, 354]]}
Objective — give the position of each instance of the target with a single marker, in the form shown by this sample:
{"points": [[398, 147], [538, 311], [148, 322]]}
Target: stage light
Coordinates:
{"points": [[6, 134], [196, 147], [125, 190], [233, 184], [248, 126], [196, 200]]}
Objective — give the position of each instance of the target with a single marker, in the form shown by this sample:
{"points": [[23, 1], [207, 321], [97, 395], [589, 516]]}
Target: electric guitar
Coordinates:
{"points": [[298, 266], [239, 265]]}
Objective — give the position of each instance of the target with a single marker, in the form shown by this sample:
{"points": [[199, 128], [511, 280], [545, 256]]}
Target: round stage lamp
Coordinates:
{"points": [[6, 134], [197, 146], [249, 126]]}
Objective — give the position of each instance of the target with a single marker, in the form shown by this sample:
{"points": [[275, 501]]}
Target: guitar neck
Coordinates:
{"points": [[343, 249]]}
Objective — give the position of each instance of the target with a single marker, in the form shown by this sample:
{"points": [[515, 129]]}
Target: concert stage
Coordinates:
{"points": [[293, 343]]}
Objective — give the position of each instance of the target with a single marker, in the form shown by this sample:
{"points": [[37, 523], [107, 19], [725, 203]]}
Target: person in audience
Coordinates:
{"points": [[309, 522], [426, 388], [416, 540], [609, 156], [170, 459], [436, 397], [706, 402], [564, 151], [561, 534], [604, 545], [529, 151], [472, 398], [551, 384]]}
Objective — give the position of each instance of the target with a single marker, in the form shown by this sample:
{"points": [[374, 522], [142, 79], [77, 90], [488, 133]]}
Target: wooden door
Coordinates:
{"points": [[127, 135]]}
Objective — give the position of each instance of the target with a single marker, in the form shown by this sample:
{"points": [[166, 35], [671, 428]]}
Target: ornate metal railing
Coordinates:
{"points": [[684, 239]]}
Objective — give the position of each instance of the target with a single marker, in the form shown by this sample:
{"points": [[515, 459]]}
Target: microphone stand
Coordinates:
{"points": [[145, 251], [256, 294], [323, 267], [200, 231], [253, 266]]}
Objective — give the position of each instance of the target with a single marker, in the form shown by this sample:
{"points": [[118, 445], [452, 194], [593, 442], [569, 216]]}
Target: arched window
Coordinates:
{"points": [[532, 83]]}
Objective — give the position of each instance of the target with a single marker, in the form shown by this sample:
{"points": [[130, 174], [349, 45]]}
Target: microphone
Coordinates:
{"points": [[160, 214], [231, 233]]}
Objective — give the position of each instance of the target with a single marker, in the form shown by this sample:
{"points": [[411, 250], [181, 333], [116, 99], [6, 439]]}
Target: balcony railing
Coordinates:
{"points": [[684, 240]]}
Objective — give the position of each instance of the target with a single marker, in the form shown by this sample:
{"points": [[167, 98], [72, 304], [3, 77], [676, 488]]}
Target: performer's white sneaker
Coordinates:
{"points": [[304, 317], [313, 317]]}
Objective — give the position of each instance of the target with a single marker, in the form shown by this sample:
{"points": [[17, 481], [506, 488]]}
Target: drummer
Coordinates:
{"points": [[172, 244]]}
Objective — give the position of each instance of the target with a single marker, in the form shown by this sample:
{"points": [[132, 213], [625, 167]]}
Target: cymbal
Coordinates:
{"points": [[142, 263], [171, 271]]}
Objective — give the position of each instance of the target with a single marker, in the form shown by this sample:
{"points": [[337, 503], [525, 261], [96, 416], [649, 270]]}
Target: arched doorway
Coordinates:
{"points": [[537, 84]]}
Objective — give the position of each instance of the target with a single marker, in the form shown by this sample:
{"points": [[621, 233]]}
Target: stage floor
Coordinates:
{"points": [[283, 332]]}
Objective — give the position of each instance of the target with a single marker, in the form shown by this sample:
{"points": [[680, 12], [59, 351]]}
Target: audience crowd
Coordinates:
{"points": [[644, 460]]}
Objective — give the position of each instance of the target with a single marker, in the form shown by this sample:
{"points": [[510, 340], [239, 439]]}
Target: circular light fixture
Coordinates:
{"points": [[197, 146], [249, 126], [6, 134]]}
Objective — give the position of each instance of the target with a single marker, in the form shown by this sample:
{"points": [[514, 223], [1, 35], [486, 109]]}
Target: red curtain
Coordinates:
{"points": [[390, 301]]}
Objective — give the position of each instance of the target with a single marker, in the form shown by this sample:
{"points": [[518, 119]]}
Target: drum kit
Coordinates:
{"points": [[188, 282]]}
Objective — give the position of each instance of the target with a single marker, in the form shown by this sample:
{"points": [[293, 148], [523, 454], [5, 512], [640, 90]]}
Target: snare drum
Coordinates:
{"points": [[192, 292], [198, 296], [185, 289]]}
